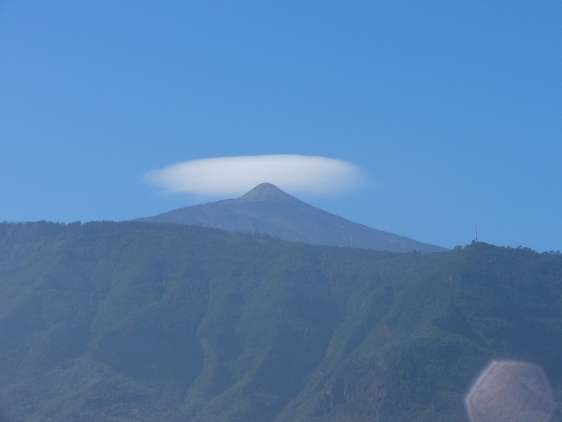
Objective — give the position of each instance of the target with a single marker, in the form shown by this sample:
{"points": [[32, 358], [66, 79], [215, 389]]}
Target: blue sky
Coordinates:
{"points": [[452, 109]]}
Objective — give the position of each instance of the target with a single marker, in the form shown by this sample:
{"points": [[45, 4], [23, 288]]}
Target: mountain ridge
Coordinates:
{"points": [[114, 322], [268, 210]]}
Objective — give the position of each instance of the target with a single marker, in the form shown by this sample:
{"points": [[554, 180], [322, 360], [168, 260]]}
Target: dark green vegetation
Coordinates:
{"points": [[268, 210], [155, 322]]}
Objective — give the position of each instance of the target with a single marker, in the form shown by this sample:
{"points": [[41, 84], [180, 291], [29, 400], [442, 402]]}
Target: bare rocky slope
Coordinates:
{"points": [[266, 209]]}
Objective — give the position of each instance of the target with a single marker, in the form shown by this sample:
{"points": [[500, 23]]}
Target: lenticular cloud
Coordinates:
{"points": [[236, 175]]}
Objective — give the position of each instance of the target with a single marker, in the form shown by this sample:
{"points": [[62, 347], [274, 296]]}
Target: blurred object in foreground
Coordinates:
{"points": [[510, 391]]}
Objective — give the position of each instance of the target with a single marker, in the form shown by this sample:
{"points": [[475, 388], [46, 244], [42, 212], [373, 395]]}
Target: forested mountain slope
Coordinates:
{"points": [[155, 322]]}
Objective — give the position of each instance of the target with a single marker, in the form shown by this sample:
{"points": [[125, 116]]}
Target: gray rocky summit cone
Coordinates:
{"points": [[266, 192], [266, 209]]}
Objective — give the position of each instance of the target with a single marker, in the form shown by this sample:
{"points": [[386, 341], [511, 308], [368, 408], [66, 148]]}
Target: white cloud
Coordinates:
{"points": [[226, 176]]}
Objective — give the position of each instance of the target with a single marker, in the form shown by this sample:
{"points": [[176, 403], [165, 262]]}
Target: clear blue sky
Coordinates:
{"points": [[454, 109]]}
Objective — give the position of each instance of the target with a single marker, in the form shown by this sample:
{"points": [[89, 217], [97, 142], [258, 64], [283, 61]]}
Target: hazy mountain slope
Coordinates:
{"points": [[144, 322], [268, 210]]}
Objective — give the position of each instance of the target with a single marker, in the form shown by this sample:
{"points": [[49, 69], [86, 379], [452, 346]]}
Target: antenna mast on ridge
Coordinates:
{"points": [[476, 233]]}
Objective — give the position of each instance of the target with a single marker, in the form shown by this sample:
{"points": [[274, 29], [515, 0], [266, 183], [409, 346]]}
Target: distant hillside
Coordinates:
{"points": [[115, 322], [267, 209]]}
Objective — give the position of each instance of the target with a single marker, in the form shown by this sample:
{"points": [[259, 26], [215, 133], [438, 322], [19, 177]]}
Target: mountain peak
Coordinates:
{"points": [[268, 210], [266, 192]]}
